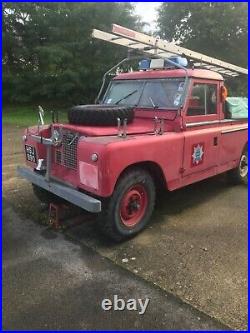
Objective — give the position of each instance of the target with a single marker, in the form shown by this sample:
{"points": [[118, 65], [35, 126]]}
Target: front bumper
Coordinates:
{"points": [[70, 194]]}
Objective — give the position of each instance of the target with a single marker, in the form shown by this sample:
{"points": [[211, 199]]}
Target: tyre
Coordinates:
{"points": [[240, 174], [45, 196], [130, 207], [99, 115]]}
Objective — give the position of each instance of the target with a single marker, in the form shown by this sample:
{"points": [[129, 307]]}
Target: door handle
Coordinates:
{"points": [[215, 141]]}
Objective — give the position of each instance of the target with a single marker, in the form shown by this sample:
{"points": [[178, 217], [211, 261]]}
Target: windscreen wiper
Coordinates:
{"points": [[125, 97], [155, 106]]}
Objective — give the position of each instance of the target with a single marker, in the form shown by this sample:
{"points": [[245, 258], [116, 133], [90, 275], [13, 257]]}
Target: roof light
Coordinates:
{"points": [[144, 64], [178, 60], [157, 63], [160, 63]]}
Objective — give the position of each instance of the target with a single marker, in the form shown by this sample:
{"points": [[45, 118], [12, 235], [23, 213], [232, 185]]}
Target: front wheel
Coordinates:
{"points": [[240, 174], [130, 207]]}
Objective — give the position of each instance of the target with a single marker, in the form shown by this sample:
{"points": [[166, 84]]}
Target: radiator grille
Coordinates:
{"points": [[58, 157], [66, 154]]}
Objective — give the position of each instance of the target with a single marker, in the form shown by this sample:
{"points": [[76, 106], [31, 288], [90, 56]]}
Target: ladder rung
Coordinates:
{"points": [[133, 43], [170, 47], [163, 49]]}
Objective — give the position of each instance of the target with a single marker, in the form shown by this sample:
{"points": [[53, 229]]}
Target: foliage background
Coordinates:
{"points": [[217, 29], [50, 58]]}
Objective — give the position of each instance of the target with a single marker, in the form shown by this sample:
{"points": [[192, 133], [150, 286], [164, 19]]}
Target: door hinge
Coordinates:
{"points": [[182, 170]]}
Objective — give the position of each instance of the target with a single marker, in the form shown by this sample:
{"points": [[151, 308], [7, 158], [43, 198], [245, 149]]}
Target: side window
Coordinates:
{"points": [[203, 100]]}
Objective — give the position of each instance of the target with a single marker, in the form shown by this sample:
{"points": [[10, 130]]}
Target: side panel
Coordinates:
{"points": [[164, 150], [233, 140], [201, 150], [230, 139]]}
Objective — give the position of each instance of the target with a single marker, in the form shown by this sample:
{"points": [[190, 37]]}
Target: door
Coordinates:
{"points": [[201, 138]]}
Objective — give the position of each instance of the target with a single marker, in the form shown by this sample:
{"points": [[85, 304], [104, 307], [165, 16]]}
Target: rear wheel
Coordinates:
{"points": [[240, 174], [130, 207]]}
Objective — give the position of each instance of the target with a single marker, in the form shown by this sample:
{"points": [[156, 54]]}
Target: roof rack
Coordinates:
{"points": [[156, 47]]}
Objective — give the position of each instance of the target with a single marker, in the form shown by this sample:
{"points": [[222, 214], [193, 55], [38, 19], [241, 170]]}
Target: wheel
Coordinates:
{"points": [[100, 115], [240, 174], [45, 196], [130, 207]]}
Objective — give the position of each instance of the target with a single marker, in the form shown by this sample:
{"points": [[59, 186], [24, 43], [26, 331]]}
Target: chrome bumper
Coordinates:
{"points": [[75, 197]]}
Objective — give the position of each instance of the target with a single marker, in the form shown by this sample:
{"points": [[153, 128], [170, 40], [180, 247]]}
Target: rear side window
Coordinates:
{"points": [[162, 94], [203, 100]]}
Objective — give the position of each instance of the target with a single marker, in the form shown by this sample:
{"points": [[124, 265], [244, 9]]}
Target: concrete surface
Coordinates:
{"points": [[195, 247], [51, 283]]}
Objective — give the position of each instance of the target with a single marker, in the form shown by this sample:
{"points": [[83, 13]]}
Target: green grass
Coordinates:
{"points": [[24, 116]]}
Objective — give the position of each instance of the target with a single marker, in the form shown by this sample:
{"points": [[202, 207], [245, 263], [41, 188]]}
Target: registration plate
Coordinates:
{"points": [[30, 153]]}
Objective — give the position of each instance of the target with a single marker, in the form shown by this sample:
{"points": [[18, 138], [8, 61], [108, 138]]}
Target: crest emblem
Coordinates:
{"points": [[197, 154]]}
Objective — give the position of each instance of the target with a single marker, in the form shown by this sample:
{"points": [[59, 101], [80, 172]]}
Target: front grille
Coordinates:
{"points": [[66, 154], [58, 157]]}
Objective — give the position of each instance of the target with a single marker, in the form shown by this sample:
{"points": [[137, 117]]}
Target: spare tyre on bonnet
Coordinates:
{"points": [[100, 114]]}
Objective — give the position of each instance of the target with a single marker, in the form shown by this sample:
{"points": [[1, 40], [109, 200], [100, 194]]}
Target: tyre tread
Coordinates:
{"points": [[99, 115]]}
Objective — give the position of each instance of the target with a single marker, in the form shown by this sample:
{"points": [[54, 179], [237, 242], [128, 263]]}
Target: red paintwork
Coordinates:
{"points": [[171, 152], [137, 127], [160, 74], [133, 205]]}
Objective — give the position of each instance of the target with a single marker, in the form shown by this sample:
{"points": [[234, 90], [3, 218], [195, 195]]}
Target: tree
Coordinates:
{"points": [[48, 52], [218, 29]]}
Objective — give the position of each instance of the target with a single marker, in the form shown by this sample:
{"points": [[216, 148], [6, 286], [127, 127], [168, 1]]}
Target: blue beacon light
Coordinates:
{"points": [[144, 64]]}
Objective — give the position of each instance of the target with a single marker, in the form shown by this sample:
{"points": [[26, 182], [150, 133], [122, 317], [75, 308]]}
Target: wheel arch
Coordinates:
{"points": [[245, 146], [153, 168]]}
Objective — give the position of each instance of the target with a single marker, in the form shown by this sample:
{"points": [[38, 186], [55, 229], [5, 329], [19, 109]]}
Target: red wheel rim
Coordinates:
{"points": [[133, 205]]}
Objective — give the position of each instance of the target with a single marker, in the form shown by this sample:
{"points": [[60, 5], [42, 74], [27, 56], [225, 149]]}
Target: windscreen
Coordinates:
{"points": [[163, 93], [124, 92]]}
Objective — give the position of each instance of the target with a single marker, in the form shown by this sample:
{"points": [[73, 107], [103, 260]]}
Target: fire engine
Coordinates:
{"points": [[168, 124]]}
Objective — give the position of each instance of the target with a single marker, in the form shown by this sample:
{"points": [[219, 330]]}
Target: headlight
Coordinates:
{"points": [[56, 137]]}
